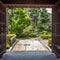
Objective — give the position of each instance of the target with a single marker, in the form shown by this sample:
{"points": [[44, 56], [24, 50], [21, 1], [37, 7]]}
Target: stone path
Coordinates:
{"points": [[29, 45]]}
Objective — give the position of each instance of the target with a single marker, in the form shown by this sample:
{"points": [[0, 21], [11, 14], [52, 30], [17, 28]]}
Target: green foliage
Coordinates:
{"points": [[50, 42], [41, 19], [44, 20], [32, 35], [10, 35], [34, 14], [46, 36], [18, 20], [7, 46], [22, 21], [27, 32], [8, 42]]}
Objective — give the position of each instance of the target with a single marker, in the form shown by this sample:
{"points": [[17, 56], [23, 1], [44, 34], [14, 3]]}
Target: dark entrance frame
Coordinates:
{"points": [[54, 4]]}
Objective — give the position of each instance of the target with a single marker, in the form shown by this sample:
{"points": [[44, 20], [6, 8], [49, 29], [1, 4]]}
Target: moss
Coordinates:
{"points": [[50, 42], [8, 42], [10, 35], [7, 46]]}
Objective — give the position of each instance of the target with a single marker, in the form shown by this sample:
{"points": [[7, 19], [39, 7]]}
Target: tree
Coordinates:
{"points": [[18, 21], [40, 18], [44, 20], [34, 14], [22, 20]]}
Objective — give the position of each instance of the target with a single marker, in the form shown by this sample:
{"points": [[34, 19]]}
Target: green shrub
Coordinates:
{"points": [[10, 35], [8, 42], [50, 42], [46, 36], [43, 32], [28, 35], [32, 35]]}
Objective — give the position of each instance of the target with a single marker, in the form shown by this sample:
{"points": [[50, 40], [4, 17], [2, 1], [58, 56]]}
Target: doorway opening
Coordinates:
{"points": [[54, 4], [29, 29]]}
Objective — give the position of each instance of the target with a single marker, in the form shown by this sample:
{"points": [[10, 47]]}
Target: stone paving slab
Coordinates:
{"points": [[29, 45], [29, 56]]}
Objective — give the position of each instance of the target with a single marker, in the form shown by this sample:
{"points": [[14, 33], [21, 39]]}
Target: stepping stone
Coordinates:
{"points": [[29, 56]]}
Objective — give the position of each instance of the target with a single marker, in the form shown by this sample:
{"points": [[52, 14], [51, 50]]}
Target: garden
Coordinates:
{"points": [[28, 23]]}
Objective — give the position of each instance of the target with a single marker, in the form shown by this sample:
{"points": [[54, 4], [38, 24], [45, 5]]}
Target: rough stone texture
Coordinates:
{"points": [[29, 56], [58, 58], [29, 45]]}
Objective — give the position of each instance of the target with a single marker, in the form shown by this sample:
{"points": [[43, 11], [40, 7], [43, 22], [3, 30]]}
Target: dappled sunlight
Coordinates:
{"points": [[32, 23], [29, 45]]}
